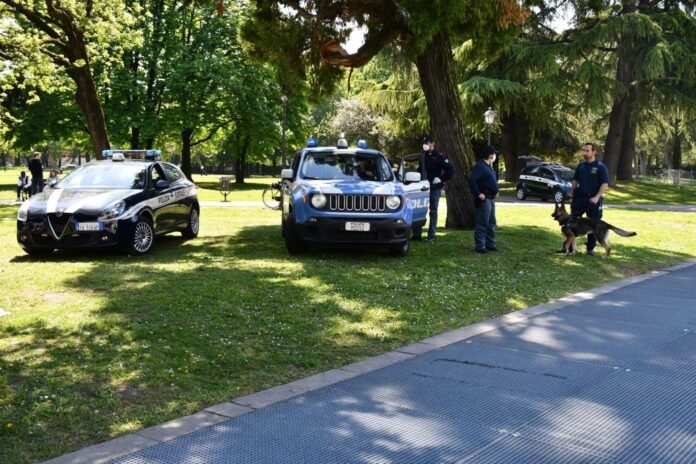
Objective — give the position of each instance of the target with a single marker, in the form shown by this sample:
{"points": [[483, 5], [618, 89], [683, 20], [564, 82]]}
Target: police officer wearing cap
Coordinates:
{"points": [[484, 188], [438, 170]]}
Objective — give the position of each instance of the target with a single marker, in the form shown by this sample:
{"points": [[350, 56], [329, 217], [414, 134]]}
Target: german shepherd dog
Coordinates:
{"points": [[574, 227]]}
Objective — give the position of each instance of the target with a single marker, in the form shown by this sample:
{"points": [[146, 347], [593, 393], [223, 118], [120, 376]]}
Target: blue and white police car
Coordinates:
{"points": [[124, 201], [545, 180], [350, 196]]}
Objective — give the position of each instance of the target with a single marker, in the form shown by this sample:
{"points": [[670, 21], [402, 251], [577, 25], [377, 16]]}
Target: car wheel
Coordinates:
{"points": [[521, 193], [142, 238], [37, 251], [400, 250], [558, 196], [193, 225], [293, 242]]}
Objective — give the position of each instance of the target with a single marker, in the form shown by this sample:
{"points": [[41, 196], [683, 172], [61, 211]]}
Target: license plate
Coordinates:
{"points": [[358, 226], [88, 226]]}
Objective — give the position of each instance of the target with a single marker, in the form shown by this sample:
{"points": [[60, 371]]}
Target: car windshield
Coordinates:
{"points": [[332, 166], [566, 174], [112, 176]]}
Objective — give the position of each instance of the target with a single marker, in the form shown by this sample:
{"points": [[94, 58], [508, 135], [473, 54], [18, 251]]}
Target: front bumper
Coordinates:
{"points": [[39, 232], [386, 231]]}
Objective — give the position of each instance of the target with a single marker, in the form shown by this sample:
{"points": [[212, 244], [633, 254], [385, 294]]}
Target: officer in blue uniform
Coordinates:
{"points": [[438, 170], [484, 188], [590, 181]]}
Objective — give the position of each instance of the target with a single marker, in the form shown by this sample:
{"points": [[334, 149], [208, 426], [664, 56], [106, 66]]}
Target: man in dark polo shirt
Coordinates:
{"points": [[484, 188], [36, 170], [590, 181]]}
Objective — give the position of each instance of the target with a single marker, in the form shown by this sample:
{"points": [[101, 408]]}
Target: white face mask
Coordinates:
{"points": [[494, 157], [426, 147]]}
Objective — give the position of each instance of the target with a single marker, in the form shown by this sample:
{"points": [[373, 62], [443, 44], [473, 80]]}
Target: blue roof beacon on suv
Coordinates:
{"points": [[545, 181], [350, 196]]}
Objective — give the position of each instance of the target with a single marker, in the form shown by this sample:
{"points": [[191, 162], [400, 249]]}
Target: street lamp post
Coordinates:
{"points": [[284, 105], [489, 119]]}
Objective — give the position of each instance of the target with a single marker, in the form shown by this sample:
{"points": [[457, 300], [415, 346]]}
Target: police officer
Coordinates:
{"points": [[484, 188], [438, 170], [36, 169], [590, 181]]}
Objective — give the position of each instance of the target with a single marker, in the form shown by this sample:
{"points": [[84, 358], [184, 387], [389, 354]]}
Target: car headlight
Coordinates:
{"points": [[319, 200], [23, 211], [393, 201], [113, 210]]}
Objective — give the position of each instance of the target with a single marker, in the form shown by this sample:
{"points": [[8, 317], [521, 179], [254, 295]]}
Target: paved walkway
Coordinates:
{"points": [[603, 376]]}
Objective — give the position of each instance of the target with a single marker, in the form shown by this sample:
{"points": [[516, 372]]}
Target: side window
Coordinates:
{"points": [[172, 173], [546, 174], [296, 163], [410, 164], [157, 174], [532, 171]]}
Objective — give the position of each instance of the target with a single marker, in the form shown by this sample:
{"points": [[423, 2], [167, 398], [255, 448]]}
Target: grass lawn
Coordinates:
{"points": [[644, 193], [100, 344]]}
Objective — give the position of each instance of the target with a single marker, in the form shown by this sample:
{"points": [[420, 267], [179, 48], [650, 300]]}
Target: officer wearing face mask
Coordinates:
{"points": [[438, 170], [484, 188]]}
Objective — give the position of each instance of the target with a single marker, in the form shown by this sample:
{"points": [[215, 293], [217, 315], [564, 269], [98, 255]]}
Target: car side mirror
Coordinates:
{"points": [[286, 174], [412, 177], [161, 184]]}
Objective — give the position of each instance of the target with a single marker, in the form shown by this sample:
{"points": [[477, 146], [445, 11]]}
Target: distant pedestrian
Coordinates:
{"points": [[23, 186], [438, 170], [484, 188], [203, 173], [36, 170], [52, 178], [590, 181]]}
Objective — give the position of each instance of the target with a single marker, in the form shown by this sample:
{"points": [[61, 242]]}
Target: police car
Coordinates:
{"points": [[350, 196], [124, 201], [545, 181]]}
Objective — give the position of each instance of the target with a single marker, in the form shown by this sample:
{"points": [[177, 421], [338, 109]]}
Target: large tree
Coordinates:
{"points": [[75, 36], [425, 30]]}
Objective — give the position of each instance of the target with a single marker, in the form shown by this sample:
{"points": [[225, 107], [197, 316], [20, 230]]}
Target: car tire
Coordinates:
{"points": [[558, 196], [193, 224], [36, 252], [293, 242], [521, 193], [400, 250], [143, 237]]}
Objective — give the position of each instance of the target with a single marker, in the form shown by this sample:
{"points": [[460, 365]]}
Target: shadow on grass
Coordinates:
{"points": [[203, 321]]}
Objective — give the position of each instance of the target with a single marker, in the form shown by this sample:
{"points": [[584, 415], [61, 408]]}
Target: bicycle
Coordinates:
{"points": [[272, 195]]}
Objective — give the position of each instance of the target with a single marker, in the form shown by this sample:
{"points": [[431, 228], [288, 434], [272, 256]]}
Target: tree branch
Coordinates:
{"points": [[212, 132], [40, 21], [333, 53]]}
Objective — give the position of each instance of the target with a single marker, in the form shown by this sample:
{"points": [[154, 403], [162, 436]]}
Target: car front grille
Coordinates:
{"points": [[58, 223], [358, 203]]}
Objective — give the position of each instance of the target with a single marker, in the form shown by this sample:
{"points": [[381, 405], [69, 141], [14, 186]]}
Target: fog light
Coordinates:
{"points": [[399, 221], [312, 220], [24, 237], [104, 238]]}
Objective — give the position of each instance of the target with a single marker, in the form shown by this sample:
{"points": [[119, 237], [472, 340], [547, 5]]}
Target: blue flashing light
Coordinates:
{"points": [[312, 142], [362, 143], [133, 154]]}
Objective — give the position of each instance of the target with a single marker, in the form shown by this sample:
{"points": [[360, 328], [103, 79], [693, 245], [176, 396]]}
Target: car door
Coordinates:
{"points": [[547, 181], [163, 205], [418, 193], [179, 189], [532, 180]]}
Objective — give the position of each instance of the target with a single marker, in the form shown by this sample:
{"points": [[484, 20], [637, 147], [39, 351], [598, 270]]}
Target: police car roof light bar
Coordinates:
{"points": [[311, 142], [362, 143], [133, 154]]}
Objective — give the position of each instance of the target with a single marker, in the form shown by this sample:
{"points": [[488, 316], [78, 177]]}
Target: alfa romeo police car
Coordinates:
{"points": [[545, 181], [125, 201], [350, 196]]}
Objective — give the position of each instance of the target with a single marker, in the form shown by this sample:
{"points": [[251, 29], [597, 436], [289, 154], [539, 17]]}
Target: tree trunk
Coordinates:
{"points": [[135, 138], [186, 135], [436, 74], [515, 142], [628, 144], [87, 100], [240, 164], [676, 146]]}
